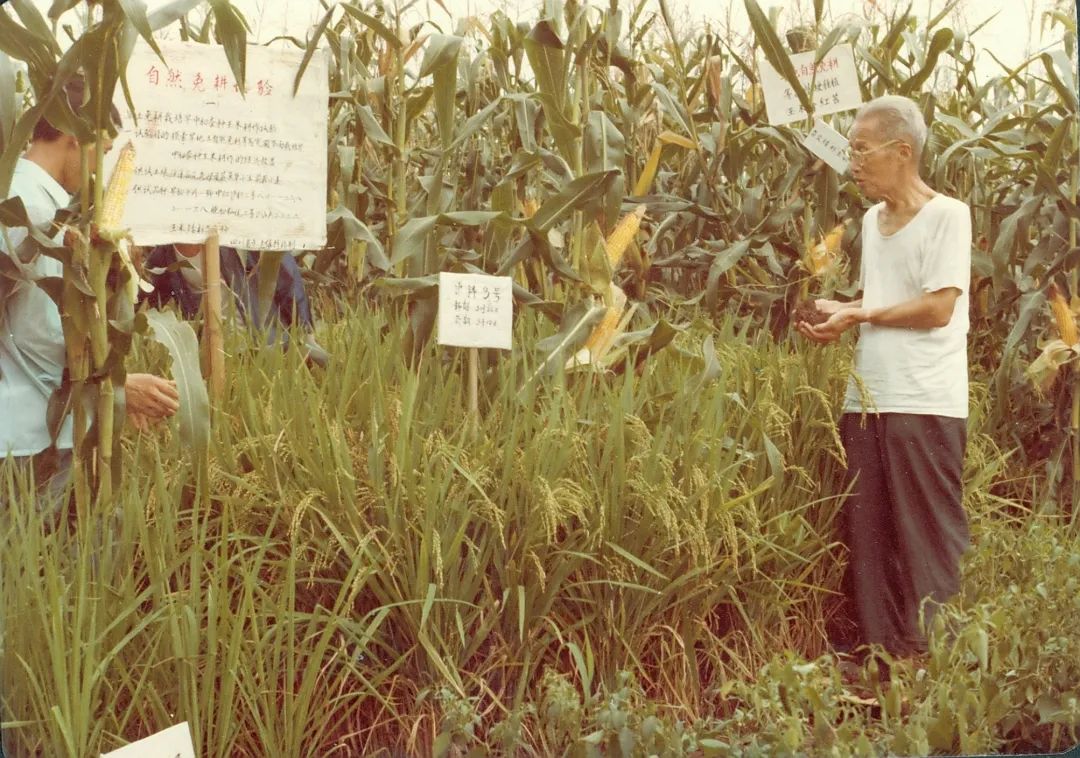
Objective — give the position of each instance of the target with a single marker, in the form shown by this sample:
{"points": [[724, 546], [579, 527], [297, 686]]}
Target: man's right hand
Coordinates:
{"points": [[151, 397]]}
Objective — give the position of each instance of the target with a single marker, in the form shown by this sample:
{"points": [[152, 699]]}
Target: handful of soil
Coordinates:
{"points": [[807, 310]]}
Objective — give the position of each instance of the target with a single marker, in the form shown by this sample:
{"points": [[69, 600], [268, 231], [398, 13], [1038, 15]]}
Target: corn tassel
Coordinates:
{"points": [[111, 213], [623, 235], [1063, 317]]}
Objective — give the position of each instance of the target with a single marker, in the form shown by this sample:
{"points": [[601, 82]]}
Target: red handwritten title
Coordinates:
{"points": [[196, 81]]}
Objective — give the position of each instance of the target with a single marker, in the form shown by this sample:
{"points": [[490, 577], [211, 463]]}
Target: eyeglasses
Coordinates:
{"points": [[858, 156]]}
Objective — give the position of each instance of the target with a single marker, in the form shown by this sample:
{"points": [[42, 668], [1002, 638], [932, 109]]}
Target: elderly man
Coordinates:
{"points": [[904, 426], [32, 349]]}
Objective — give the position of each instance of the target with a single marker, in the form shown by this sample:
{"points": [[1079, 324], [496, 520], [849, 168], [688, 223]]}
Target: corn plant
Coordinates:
{"points": [[96, 295]]}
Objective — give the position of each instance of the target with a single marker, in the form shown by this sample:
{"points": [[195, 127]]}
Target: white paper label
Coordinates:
{"points": [[829, 145], [835, 85], [174, 742], [206, 157], [476, 310]]}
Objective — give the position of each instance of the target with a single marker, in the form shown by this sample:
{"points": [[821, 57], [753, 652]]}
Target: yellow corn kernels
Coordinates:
{"points": [[111, 213], [1063, 317], [622, 235]]}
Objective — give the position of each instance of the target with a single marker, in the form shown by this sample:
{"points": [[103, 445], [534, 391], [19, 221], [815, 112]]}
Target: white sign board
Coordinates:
{"points": [[829, 145], [206, 157], [174, 742], [476, 310], [834, 87]]}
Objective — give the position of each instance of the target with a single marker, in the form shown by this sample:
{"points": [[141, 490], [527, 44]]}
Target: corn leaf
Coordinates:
{"points": [[775, 53], [179, 340]]}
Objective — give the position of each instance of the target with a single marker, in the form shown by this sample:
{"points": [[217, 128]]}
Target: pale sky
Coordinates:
{"points": [[1012, 34]]}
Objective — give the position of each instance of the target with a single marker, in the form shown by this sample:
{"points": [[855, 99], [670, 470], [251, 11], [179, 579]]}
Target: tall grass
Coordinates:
{"points": [[367, 575]]}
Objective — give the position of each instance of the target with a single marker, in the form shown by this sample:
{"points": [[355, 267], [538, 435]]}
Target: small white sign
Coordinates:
{"points": [[832, 84], [829, 145], [174, 742], [476, 310]]}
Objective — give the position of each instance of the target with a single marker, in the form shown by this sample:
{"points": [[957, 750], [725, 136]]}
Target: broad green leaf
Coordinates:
{"points": [[441, 60], [409, 285], [372, 128], [35, 23], [179, 339], [9, 104], [672, 108], [774, 51], [413, 234], [374, 24], [547, 56], [232, 31], [169, 13], [60, 7], [1066, 93], [940, 43], [577, 323], [723, 261], [442, 50], [311, 47], [135, 10], [341, 221], [605, 146], [474, 123], [575, 196]]}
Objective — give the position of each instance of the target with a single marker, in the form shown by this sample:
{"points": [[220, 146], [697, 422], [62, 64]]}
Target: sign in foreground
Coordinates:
{"points": [[174, 742], [476, 310]]}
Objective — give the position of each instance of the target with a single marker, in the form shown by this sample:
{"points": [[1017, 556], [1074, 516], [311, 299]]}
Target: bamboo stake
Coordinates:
{"points": [[213, 342], [474, 391]]}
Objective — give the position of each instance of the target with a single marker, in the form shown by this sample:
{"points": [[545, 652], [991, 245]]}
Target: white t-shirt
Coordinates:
{"points": [[904, 370]]}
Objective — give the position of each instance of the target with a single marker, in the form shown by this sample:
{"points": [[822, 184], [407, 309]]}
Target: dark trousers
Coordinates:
{"points": [[903, 523]]}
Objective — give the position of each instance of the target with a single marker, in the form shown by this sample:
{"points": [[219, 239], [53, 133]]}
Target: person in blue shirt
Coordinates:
{"points": [[174, 282], [32, 350]]}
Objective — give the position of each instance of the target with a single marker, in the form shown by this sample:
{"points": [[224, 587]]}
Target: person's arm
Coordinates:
{"points": [[945, 274], [929, 311], [832, 306]]}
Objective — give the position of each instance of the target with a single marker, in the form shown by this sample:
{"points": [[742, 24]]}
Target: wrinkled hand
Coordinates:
{"points": [[138, 421], [829, 307], [839, 322], [150, 397]]}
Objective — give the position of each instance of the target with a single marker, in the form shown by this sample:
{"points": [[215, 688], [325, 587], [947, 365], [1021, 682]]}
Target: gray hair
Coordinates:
{"points": [[899, 118]]}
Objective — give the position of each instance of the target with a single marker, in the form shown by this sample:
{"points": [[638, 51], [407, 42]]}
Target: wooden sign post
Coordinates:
{"points": [[213, 342], [475, 311]]}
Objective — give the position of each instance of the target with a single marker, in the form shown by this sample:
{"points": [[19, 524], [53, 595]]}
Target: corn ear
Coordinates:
{"points": [[623, 235], [604, 333], [714, 73], [824, 255], [1063, 317], [111, 213], [648, 173]]}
